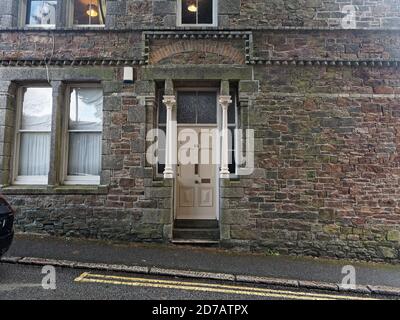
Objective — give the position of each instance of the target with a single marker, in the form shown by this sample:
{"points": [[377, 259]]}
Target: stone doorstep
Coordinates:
{"points": [[318, 285]]}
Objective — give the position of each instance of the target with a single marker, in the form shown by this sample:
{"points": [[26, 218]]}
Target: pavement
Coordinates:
{"points": [[203, 263]]}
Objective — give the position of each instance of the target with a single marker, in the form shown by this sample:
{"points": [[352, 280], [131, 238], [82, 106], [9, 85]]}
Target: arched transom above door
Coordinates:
{"points": [[197, 48]]}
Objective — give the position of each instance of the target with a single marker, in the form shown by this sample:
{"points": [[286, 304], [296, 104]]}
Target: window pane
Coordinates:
{"points": [[84, 154], [162, 114], [231, 148], [189, 11], [89, 11], [187, 102], [232, 109], [36, 109], [206, 107], [161, 152], [162, 110], [34, 154], [205, 15], [86, 109], [41, 12]]}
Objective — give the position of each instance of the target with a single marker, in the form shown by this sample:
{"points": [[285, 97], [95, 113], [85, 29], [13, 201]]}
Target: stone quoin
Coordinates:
{"points": [[323, 102]]}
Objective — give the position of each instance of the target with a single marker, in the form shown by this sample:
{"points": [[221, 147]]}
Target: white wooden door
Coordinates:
{"points": [[196, 174]]}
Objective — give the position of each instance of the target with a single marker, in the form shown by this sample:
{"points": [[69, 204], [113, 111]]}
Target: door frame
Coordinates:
{"points": [[188, 125]]}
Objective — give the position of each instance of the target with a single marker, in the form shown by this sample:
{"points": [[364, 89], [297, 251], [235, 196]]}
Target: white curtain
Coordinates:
{"points": [[34, 154], [84, 154]]}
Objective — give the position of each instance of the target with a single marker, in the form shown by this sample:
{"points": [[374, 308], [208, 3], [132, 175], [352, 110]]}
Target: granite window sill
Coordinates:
{"points": [[50, 190]]}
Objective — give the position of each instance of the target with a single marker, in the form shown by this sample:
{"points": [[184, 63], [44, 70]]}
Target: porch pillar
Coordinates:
{"points": [[224, 101], [170, 103]]}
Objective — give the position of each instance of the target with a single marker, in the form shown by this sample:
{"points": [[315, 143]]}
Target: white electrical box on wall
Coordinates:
{"points": [[128, 75]]}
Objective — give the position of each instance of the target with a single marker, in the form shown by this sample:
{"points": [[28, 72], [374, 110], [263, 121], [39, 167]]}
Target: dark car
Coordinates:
{"points": [[6, 225]]}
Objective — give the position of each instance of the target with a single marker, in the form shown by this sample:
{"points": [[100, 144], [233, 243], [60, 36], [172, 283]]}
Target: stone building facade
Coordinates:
{"points": [[321, 97]]}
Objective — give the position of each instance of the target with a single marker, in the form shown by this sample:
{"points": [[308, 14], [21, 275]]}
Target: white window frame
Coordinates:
{"points": [[214, 18], [70, 18], [23, 15], [16, 178], [67, 179]]}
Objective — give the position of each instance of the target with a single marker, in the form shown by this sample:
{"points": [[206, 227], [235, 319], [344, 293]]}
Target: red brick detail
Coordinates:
{"points": [[221, 49]]}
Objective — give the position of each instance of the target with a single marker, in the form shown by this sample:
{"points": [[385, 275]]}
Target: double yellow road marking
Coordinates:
{"points": [[210, 287]]}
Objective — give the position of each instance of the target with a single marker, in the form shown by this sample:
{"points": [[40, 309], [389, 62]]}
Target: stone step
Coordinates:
{"points": [[196, 242], [196, 233], [192, 223]]}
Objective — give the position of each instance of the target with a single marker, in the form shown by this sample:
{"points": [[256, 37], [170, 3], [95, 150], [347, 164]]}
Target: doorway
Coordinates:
{"points": [[197, 155]]}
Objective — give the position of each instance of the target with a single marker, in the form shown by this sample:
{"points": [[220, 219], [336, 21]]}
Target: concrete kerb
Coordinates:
{"points": [[192, 274], [316, 285]]}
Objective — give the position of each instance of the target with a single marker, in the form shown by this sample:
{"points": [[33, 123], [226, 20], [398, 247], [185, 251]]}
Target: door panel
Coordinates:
{"points": [[186, 198], [196, 181], [206, 197]]}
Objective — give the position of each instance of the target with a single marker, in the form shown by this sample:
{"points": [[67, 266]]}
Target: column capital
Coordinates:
{"points": [[169, 101], [224, 101]]}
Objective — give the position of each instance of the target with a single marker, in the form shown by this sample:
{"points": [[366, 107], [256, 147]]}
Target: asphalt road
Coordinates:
{"points": [[202, 259], [25, 282]]}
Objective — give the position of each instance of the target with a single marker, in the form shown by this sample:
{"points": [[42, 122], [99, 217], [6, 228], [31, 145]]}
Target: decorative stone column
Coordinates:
{"points": [[8, 92], [224, 101], [54, 176], [169, 102]]}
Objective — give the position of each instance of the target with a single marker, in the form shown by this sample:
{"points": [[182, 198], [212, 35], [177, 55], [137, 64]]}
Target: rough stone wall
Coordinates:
{"points": [[71, 45], [318, 13], [238, 13], [256, 13], [327, 165], [8, 13], [128, 205], [345, 45]]}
